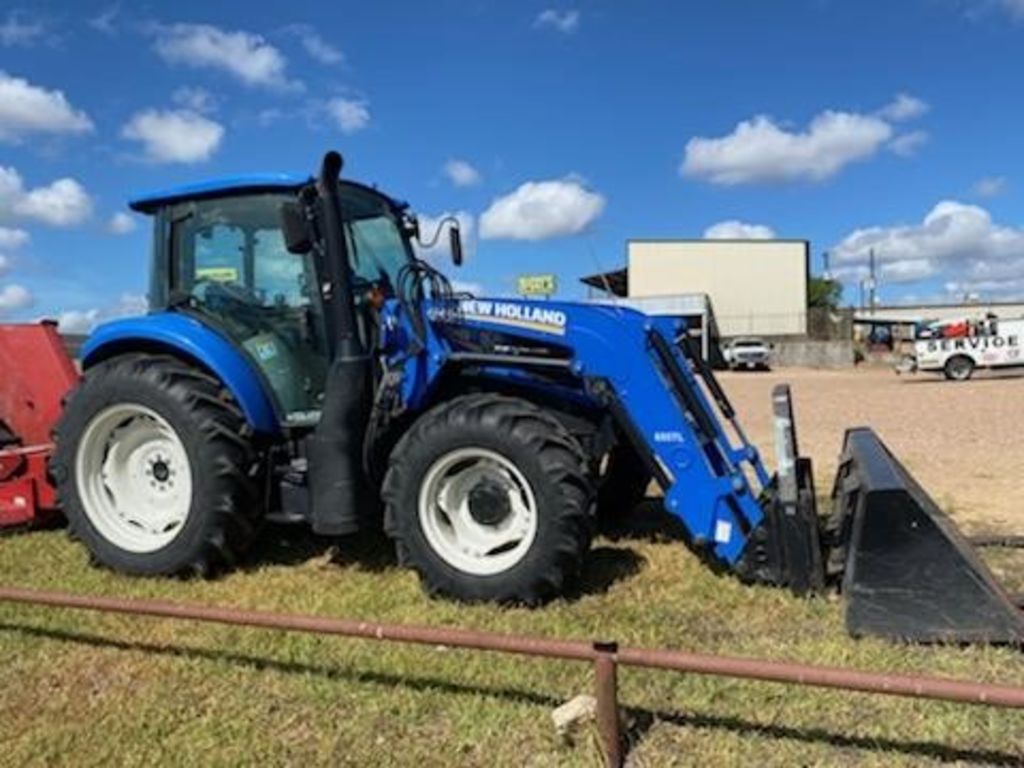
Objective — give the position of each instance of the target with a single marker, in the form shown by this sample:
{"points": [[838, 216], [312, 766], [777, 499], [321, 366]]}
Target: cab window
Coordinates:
{"points": [[229, 264]]}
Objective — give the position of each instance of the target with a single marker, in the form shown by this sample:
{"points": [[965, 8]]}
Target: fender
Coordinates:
{"points": [[187, 337]]}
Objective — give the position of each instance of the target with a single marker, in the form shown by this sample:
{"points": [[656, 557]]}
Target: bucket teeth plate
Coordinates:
{"points": [[909, 574]]}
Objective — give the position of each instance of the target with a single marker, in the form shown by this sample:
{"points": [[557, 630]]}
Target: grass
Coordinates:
{"points": [[93, 689]]}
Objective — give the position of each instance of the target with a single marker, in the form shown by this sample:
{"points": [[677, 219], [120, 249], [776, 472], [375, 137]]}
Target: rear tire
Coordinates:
{"points": [[156, 468], [958, 368], [488, 499]]}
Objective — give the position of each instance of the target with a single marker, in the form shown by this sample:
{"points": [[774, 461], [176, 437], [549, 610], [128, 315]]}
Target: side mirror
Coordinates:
{"points": [[295, 229], [455, 245]]}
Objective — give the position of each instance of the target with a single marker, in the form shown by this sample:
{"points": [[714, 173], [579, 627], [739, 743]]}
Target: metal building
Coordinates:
{"points": [[756, 287]]}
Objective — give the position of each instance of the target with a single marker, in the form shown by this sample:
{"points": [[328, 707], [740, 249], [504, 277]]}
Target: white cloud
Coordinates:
{"points": [[194, 99], [733, 229], [538, 210], [977, 8], [78, 321], [761, 151], [350, 115], [104, 20], [954, 238], [565, 22], [907, 270], [11, 189], [14, 297], [244, 55], [907, 144], [83, 321], [440, 253], [11, 238], [27, 109], [462, 173], [174, 136], [62, 203], [989, 186], [903, 107], [468, 286], [5, 264], [18, 30], [318, 49], [121, 223]]}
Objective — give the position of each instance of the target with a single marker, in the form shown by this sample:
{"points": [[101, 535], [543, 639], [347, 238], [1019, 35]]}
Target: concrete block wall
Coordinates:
{"points": [[807, 353]]}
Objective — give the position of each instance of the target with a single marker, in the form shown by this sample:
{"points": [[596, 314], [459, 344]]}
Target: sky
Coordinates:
{"points": [[554, 133]]}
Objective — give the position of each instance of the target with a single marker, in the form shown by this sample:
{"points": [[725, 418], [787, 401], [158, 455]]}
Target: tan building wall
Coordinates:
{"points": [[756, 287]]}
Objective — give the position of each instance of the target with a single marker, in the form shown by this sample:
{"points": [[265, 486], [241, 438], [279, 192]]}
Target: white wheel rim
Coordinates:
{"points": [[451, 529], [133, 478]]}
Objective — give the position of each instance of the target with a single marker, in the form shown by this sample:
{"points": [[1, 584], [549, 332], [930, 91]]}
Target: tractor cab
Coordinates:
{"points": [[220, 256]]}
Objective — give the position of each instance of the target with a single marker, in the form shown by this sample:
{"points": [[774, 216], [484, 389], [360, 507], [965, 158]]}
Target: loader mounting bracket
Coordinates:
{"points": [[784, 549]]}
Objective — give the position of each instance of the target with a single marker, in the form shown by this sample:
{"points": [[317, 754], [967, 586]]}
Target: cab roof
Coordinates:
{"points": [[232, 185]]}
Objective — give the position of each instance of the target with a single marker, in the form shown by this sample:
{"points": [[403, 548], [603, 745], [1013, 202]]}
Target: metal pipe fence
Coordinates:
{"points": [[605, 657]]}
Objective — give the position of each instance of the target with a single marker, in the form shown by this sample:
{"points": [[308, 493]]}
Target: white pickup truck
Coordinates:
{"points": [[956, 349], [748, 352]]}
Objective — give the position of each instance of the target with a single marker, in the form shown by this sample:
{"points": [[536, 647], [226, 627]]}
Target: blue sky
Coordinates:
{"points": [[555, 132]]}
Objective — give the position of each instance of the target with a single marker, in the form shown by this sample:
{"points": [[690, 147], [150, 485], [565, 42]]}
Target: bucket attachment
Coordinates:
{"points": [[907, 572], [904, 569]]}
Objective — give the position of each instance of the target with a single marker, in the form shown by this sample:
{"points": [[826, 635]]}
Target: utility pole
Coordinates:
{"points": [[826, 272], [871, 281]]}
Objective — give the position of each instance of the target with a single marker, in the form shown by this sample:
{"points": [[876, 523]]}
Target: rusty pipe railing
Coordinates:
{"points": [[604, 656]]}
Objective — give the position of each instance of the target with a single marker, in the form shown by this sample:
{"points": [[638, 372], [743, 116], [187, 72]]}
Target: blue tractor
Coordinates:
{"points": [[301, 363]]}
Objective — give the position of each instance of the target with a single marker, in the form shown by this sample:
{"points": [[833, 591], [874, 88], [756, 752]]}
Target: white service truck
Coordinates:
{"points": [[956, 349]]}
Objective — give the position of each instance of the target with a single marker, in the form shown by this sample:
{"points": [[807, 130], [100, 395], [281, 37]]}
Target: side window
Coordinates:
{"points": [[229, 260], [280, 277], [219, 256]]}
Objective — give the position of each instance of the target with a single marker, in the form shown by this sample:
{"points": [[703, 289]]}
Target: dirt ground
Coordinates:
{"points": [[964, 442]]}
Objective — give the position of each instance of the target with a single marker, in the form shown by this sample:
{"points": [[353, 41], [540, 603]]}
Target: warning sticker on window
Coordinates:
{"points": [[217, 274]]}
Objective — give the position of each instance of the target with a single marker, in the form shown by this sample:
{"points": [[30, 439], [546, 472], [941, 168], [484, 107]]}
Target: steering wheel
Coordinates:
{"points": [[234, 302]]}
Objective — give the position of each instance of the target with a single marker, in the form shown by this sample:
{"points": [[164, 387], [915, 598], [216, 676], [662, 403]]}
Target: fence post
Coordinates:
{"points": [[606, 692]]}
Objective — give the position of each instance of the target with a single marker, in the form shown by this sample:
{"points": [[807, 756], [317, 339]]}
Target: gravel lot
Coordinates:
{"points": [[964, 442]]}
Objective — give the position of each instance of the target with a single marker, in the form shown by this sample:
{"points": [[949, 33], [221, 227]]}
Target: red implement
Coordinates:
{"points": [[35, 374]]}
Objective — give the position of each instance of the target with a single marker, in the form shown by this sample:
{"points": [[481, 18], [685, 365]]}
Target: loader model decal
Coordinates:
{"points": [[515, 315]]}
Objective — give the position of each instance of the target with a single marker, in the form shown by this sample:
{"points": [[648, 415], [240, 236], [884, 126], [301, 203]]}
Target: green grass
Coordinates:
{"points": [[89, 689]]}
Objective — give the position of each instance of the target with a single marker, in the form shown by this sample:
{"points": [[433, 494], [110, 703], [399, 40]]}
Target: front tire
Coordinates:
{"points": [[156, 468], [958, 368], [488, 499]]}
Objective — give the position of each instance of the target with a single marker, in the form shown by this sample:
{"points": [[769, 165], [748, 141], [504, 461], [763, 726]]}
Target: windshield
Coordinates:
{"points": [[377, 248]]}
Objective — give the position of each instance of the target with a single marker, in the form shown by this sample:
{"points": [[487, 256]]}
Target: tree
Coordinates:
{"points": [[824, 293]]}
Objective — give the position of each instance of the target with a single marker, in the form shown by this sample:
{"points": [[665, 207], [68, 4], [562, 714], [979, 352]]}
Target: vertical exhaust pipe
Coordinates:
{"points": [[336, 483]]}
